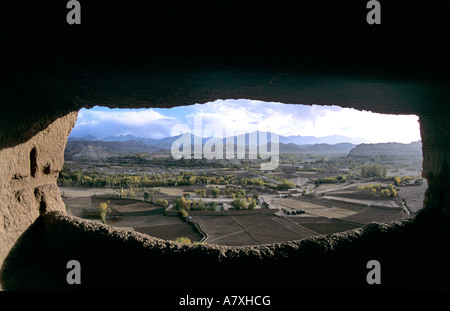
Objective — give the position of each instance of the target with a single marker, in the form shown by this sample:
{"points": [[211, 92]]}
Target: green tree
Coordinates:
{"points": [[178, 203], [212, 205], [252, 205], [239, 203], [215, 192], [200, 204]]}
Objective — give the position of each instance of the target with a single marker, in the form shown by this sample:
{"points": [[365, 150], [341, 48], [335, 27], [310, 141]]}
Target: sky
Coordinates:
{"points": [[243, 116]]}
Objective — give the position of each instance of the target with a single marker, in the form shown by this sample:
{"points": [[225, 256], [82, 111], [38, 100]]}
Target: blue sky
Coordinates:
{"points": [[241, 116]]}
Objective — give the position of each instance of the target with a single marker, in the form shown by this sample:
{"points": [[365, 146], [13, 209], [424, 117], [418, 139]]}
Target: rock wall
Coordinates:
{"points": [[28, 174], [435, 131]]}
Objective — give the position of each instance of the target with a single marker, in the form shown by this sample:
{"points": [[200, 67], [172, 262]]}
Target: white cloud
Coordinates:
{"points": [[138, 117], [243, 116], [102, 122], [284, 119]]}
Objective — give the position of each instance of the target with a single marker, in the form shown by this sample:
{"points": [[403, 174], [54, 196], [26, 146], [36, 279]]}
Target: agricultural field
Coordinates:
{"points": [[302, 198], [131, 214], [250, 228]]}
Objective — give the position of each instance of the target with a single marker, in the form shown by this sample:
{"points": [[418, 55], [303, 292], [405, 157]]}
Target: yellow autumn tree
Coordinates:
{"points": [[104, 210]]}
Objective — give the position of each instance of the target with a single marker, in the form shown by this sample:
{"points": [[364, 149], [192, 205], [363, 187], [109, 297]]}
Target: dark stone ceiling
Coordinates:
{"points": [[319, 36]]}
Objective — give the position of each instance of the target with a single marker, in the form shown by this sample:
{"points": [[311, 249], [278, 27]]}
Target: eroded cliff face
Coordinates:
{"points": [[28, 174], [435, 131]]}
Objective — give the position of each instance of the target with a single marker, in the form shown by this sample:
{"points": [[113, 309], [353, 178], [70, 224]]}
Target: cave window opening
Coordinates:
{"points": [[42, 206], [338, 169], [33, 162], [47, 169]]}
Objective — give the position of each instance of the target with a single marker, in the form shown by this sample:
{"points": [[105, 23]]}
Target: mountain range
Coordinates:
{"points": [[388, 149], [294, 139], [90, 147]]}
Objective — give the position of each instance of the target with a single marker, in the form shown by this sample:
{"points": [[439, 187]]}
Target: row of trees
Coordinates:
{"points": [[233, 193], [387, 191], [243, 203], [399, 180], [98, 179], [215, 192], [331, 180], [285, 185], [184, 203], [373, 170]]}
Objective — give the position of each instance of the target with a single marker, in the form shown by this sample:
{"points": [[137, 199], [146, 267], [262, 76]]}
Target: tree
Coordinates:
{"points": [[386, 192], [212, 205], [162, 202], [192, 180], [104, 210], [188, 204], [252, 205], [239, 204], [183, 240], [183, 213], [373, 170], [131, 193], [215, 192], [178, 203], [200, 204], [146, 196], [151, 193]]}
